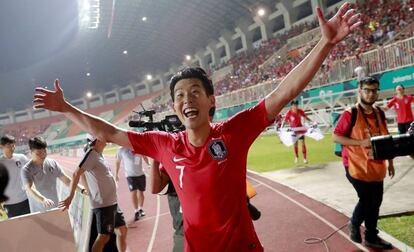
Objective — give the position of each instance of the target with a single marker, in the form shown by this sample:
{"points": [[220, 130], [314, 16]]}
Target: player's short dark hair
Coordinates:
{"points": [[37, 143], [294, 102], [7, 139], [368, 81], [192, 73]]}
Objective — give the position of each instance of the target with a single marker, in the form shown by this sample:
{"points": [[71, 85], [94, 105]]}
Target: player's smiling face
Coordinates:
{"points": [[8, 149], [191, 103]]}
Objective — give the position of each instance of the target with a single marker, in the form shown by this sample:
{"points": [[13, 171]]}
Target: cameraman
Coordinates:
{"points": [[411, 131], [365, 174]]}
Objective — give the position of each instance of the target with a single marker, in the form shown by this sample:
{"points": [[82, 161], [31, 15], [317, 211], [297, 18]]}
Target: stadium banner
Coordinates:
{"points": [[403, 76], [80, 215]]}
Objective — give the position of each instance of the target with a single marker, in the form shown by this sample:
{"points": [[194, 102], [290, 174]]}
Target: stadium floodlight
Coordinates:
{"points": [[261, 12], [149, 77], [188, 57], [125, 52], [88, 74], [89, 13], [89, 94], [144, 19]]}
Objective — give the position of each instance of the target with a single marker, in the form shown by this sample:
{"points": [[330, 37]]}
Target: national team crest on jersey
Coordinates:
{"points": [[217, 149]]}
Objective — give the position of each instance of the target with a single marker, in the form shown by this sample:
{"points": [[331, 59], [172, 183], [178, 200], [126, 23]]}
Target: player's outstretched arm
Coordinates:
{"points": [[64, 204], [54, 100], [333, 31]]}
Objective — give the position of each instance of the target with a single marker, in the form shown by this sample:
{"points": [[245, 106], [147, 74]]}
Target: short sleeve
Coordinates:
{"points": [[391, 103], [343, 126], [59, 170], [27, 178], [151, 144]]}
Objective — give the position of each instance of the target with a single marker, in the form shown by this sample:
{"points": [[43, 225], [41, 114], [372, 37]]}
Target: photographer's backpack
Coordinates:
{"points": [[354, 112]]}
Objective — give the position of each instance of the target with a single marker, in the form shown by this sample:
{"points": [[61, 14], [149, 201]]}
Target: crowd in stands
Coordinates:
{"points": [[23, 133], [382, 22]]}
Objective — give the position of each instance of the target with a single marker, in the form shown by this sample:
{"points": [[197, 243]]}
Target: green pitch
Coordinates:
{"points": [[268, 154]]}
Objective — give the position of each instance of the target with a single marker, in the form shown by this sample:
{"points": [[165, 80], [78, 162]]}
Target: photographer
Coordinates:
{"points": [[365, 174]]}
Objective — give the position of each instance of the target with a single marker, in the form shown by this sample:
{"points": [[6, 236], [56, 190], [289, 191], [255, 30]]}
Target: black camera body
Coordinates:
{"points": [[171, 123], [388, 147]]}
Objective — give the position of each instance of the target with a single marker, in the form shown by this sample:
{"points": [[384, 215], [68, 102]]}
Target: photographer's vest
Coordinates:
{"points": [[360, 166]]}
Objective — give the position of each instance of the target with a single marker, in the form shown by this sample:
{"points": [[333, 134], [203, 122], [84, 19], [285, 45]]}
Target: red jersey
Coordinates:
{"points": [[295, 119], [211, 180], [403, 108], [342, 129]]}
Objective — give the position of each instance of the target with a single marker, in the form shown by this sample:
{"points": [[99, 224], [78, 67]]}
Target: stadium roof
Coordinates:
{"points": [[42, 40]]}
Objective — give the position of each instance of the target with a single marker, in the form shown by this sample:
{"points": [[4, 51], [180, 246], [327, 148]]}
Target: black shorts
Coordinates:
{"points": [[137, 183], [108, 218], [403, 127], [18, 209]]}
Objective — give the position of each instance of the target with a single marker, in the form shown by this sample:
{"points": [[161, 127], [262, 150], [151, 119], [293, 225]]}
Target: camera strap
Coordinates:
{"points": [[377, 124]]}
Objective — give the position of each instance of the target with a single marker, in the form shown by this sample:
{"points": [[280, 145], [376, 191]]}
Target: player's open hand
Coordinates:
{"points": [[339, 26], [64, 204], [52, 100], [47, 203]]}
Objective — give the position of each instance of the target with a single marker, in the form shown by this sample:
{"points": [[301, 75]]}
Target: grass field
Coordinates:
{"points": [[268, 154], [401, 227]]}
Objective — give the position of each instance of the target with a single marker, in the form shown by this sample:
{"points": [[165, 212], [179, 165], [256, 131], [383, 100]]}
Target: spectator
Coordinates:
{"points": [[134, 173], [17, 203], [102, 195], [402, 105], [39, 177]]}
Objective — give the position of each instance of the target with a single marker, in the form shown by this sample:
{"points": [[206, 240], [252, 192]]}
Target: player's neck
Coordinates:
{"points": [[197, 137], [400, 96], [8, 155], [37, 162], [366, 107]]}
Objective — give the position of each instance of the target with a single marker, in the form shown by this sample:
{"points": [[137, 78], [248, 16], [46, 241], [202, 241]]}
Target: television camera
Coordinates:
{"points": [[388, 147], [170, 123]]}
